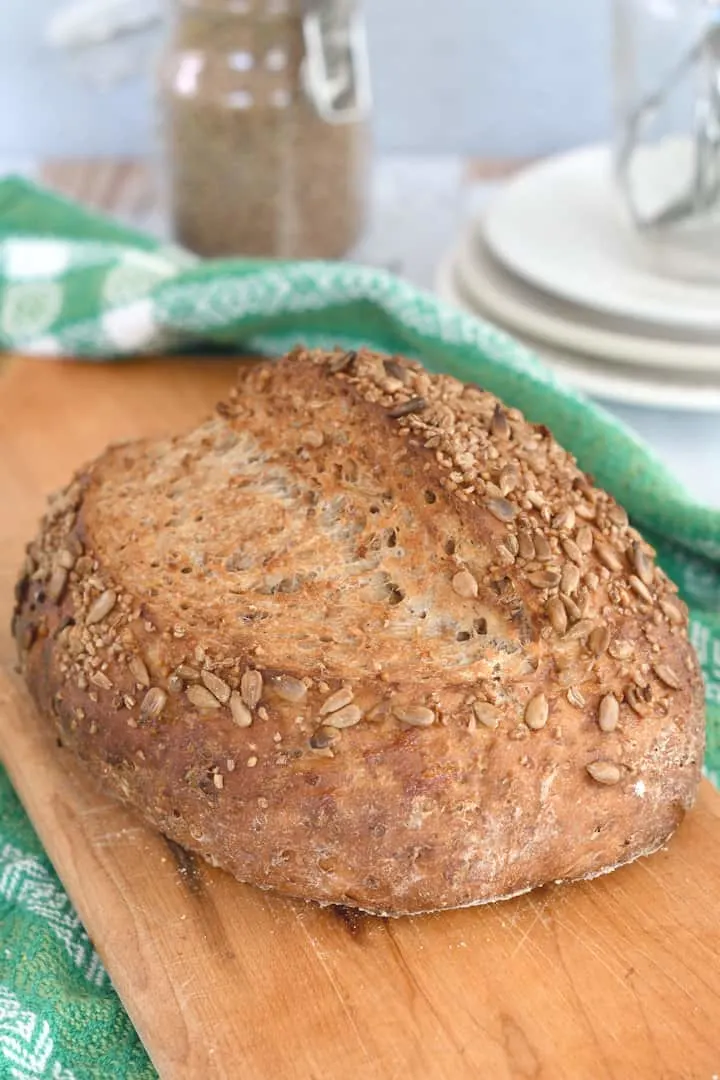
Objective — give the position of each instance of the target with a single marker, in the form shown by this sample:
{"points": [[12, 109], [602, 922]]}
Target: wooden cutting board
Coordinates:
{"points": [[618, 977]]}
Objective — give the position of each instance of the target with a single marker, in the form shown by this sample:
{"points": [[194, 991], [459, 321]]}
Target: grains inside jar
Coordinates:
{"points": [[253, 166]]}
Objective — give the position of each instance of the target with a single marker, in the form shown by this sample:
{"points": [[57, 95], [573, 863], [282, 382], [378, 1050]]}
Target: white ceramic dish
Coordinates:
{"points": [[560, 225], [567, 326], [630, 386]]}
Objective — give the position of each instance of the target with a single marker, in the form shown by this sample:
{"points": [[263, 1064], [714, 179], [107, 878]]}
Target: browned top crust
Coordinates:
{"points": [[366, 636]]}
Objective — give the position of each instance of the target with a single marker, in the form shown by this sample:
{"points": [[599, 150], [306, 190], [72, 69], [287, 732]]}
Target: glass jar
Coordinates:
{"points": [[265, 107], [667, 131]]}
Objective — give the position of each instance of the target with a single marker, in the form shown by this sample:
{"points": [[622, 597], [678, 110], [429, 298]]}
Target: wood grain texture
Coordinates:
{"points": [[126, 187], [614, 978]]}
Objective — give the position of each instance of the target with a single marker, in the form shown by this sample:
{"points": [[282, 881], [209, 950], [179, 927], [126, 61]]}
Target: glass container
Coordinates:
{"points": [[667, 131], [265, 107]]}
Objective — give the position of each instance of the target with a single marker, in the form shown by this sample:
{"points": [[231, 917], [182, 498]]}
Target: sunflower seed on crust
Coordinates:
{"points": [[543, 551], [414, 715], [526, 547], [620, 649], [336, 701], [635, 702], [486, 714], [324, 737], [188, 673], [599, 640], [201, 698], [499, 425], [571, 607], [139, 671], [346, 717], [289, 688], [575, 698], [570, 580], [342, 362], [544, 579], [536, 712], [251, 687], [564, 519], [584, 539], [608, 713], [501, 509], [581, 629], [672, 611], [99, 678], [557, 614], [239, 711], [640, 563], [666, 675], [640, 589], [607, 556], [509, 479], [404, 408], [604, 772], [101, 607], [465, 585], [217, 686], [153, 704], [571, 550]]}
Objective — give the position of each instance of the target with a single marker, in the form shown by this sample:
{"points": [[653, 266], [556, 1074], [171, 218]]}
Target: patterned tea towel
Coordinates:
{"points": [[73, 283]]}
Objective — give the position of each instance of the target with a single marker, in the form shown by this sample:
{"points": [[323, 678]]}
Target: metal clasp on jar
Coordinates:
{"points": [[336, 69]]}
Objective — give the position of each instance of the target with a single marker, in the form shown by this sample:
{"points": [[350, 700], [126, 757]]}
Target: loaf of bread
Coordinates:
{"points": [[366, 637]]}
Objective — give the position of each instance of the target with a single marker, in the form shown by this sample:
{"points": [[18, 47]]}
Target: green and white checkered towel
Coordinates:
{"points": [[72, 283]]}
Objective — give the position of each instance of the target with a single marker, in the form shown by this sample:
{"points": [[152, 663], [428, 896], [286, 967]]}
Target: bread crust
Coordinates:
{"points": [[366, 637]]}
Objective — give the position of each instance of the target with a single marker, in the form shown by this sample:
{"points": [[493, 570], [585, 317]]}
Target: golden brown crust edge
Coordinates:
{"points": [[581, 755]]}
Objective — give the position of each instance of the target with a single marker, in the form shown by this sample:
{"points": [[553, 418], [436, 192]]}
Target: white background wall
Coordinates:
{"points": [[493, 77]]}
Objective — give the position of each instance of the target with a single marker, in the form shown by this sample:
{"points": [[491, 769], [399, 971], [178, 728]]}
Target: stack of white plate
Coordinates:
{"points": [[555, 261]]}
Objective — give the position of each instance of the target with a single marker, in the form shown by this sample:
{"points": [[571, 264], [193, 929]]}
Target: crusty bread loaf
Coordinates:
{"points": [[366, 636]]}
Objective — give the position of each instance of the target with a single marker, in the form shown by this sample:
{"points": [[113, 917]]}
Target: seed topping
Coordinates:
{"points": [[251, 686], [338, 700], [501, 509], [57, 583], [544, 579], [201, 697], [413, 405], [608, 713], [557, 614], [536, 712], [599, 640], [139, 671], [152, 704], [414, 715], [486, 714], [640, 589], [324, 737], [346, 717], [239, 711], [640, 563], [217, 687], [101, 607], [604, 772], [607, 556], [668, 676], [465, 585], [289, 688]]}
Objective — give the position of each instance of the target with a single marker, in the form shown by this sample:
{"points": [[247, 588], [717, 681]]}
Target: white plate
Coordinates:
{"points": [[631, 386], [561, 226], [567, 326]]}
